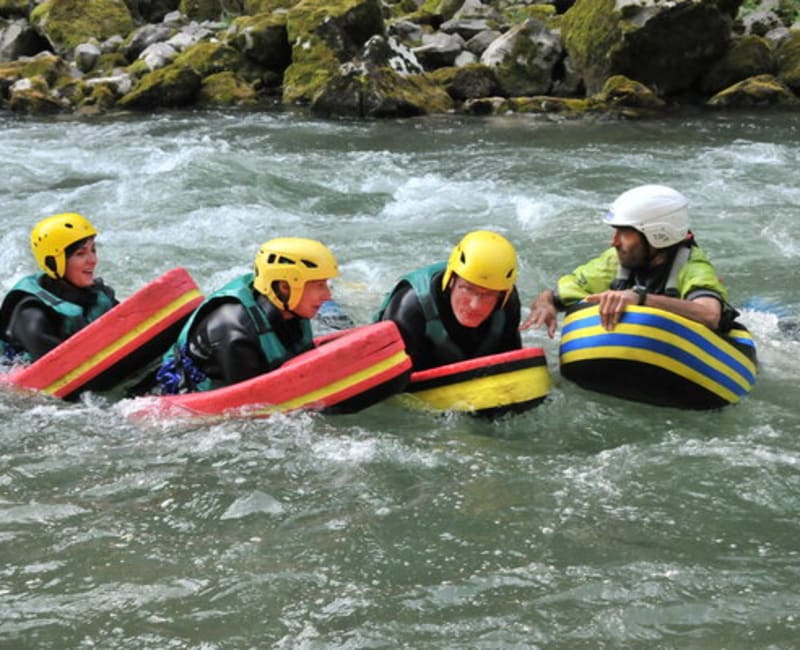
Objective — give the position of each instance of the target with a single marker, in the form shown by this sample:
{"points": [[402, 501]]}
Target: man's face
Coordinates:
{"points": [[631, 249], [471, 303]]}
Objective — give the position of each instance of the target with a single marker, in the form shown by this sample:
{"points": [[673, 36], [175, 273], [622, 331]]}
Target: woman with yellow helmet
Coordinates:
{"points": [[462, 309], [45, 309], [254, 323]]}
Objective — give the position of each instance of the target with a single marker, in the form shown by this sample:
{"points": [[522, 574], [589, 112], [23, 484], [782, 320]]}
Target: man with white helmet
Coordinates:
{"points": [[462, 309], [653, 261]]}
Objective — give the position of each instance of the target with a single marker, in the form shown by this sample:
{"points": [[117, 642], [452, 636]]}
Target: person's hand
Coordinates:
{"points": [[611, 304], [543, 312]]}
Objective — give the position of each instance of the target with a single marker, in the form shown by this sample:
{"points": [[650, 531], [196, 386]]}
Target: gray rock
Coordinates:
{"points": [[478, 43], [122, 83], [158, 55], [405, 31], [86, 56], [18, 38], [439, 50], [144, 37], [465, 27], [380, 51]]}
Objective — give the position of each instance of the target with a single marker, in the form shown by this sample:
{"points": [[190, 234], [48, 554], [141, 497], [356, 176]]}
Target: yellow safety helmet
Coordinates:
{"points": [[295, 260], [486, 259], [51, 237]]}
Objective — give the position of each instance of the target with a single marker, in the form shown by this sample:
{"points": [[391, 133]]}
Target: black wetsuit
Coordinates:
{"points": [[467, 342], [31, 326]]}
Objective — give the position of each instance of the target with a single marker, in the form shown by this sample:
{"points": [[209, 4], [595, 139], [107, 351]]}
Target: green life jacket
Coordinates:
{"points": [[71, 316], [420, 282], [276, 353]]}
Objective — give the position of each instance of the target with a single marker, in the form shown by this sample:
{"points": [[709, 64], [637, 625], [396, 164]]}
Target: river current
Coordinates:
{"points": [[588, 522]]}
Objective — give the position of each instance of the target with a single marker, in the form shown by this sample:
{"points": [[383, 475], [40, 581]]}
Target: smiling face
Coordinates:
{"points": [[315, 292], [81, 265], [472, 304]]}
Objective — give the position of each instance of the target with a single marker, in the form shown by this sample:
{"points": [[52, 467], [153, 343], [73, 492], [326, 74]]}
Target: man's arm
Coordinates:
{"points": [[706, 310]]}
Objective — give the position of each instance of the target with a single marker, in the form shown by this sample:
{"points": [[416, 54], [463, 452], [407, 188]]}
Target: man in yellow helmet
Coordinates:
{"points": [[45, 309], [254, 323], [460, 310]]}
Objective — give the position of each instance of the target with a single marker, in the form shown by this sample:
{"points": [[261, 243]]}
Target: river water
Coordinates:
{"points": [[588, 522]]}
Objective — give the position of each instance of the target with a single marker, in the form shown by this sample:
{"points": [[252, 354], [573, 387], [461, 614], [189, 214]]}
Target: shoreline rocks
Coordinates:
{"points": [[378, 59]]}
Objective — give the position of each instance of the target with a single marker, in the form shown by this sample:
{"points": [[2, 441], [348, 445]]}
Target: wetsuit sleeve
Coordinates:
{"points": [[227, 340], [405, 310], [34, 329]]}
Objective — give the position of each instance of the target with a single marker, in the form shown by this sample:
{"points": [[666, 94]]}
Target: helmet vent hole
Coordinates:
{"points": [[309, 264]]}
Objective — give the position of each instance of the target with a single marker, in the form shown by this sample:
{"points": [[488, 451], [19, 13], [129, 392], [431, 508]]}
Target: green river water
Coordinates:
{"points": [[588, 522]]}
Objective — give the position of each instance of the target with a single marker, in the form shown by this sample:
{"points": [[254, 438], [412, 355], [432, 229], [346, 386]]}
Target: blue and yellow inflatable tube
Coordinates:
{"points": [[657, 357]]}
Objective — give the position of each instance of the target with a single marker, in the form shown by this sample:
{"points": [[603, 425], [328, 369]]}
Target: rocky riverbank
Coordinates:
{"points": [[395, 58]]}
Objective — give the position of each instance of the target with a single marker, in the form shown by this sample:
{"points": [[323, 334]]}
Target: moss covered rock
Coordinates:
{"points": [[201, 9], [523, 59], [255, 7], [264, 39], [208, 58], [67, 23], [379, 92], [14, 8], [226, 89], [173, 85], [33, 95], [324, 35], [788, 61], [667, 45], [619, 90], [756, 92], [470, 82], [747, 56]]}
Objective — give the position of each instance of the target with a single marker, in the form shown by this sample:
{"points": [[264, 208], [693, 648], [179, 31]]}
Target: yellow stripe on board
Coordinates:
{"points": [[121, 342], [657, 334], [321, 393], [655, 359], [481, 393]]}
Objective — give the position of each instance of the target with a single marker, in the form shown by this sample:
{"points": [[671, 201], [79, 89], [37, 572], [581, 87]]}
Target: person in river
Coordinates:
{"points": [[462, 309], [255, 323], [653, 260], [44, 309]]}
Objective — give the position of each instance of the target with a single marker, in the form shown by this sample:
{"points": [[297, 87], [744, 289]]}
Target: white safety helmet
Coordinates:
{"points": [[658, 212]]}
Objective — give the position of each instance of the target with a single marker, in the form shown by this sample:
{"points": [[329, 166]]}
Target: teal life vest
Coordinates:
{"points": [[71, 316], [178, 372], [420, 282]]}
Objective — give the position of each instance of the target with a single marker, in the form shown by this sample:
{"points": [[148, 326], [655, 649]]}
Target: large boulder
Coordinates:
{"points": [[788, 61], [323, 36], [201, 9], [748, 56], [524, 58], [360, 90], [173, 85], [18, 38], [755, 92], [263, 39], [151, 11], [666, 44], [14, 8], [68, 23]]}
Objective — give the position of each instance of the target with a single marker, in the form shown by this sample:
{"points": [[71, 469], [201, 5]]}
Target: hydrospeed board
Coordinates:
{"points": [[346, 372], [120, 343], [492, 385]]}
